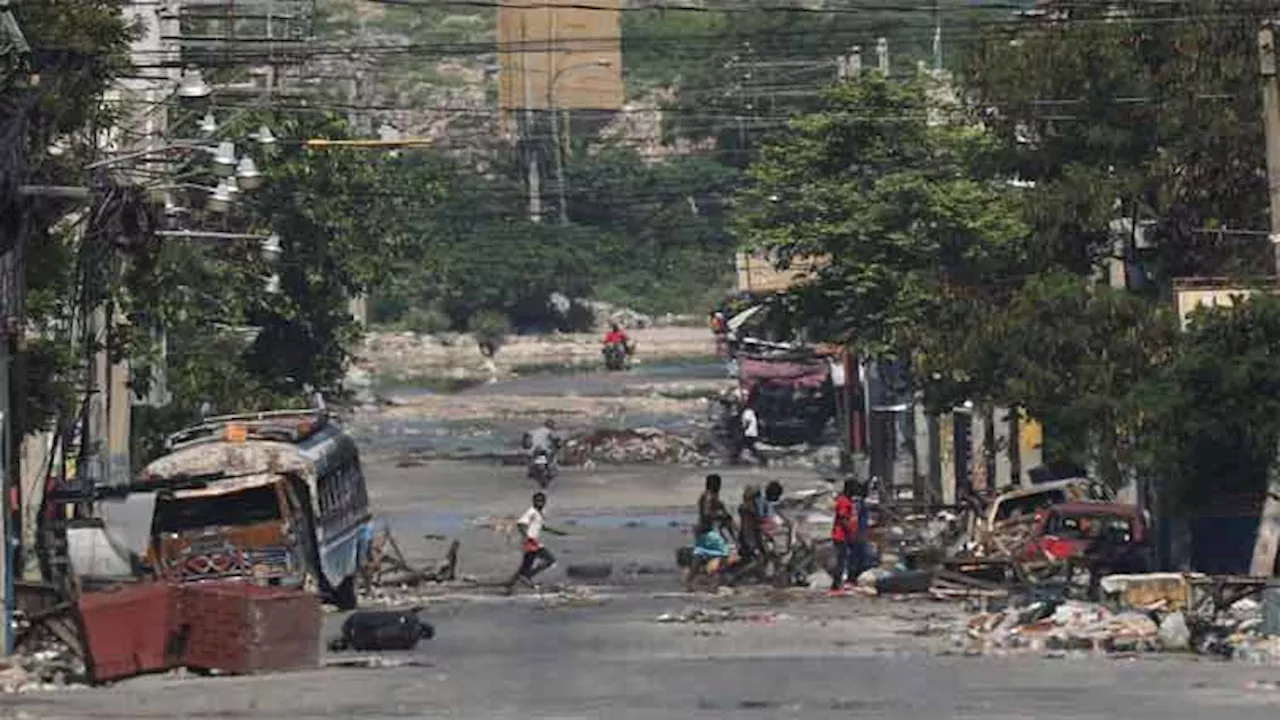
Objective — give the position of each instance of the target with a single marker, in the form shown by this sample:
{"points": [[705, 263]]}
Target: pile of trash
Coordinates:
{"points": [[1142, 613], [641, 445], [1070, 625], [53, 667]]}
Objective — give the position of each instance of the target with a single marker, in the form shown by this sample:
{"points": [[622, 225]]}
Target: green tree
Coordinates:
{"points": [[343, 218], [910, 218], [737, 74], [78, 47], [1132, 110], [1211, 417], [663, 227], [1073, 354]]}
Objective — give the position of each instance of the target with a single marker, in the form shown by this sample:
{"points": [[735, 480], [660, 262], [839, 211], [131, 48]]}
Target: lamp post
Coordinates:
{"points": [[555, 130]]}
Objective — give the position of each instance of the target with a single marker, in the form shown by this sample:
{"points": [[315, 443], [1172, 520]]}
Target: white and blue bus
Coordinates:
{"points": [[275, 498]]}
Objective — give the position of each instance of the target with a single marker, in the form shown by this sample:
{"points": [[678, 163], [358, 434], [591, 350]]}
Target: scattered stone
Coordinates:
{"points": [[375, 662], [706, 616]]}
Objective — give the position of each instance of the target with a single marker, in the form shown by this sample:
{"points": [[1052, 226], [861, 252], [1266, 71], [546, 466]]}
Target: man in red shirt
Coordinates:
{"points": [[846, 535], [617, 336]]}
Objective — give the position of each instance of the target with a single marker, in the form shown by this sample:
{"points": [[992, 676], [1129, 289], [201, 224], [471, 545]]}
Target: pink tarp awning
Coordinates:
{"points": [[799, 373]]}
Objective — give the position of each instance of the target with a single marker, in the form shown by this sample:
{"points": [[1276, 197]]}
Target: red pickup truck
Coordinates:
{"points": [[1074, 531]]}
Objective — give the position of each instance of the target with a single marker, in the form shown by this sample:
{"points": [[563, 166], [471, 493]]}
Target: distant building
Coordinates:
{"points": [[757, 273], [1192, 293], [559, 54]]}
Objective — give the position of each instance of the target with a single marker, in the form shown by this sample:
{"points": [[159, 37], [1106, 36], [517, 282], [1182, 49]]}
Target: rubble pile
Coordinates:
{"points": [[1128, 622], [641, 445], [54, 667], [1070, 625]]}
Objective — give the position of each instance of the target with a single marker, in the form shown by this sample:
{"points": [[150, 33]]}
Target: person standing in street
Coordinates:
{"points": [[846, 536], [536, 558], [751, 431]]}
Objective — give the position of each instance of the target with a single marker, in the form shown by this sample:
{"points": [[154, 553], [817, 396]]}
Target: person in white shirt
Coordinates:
{"points": [[750, 423], [536, 558]]}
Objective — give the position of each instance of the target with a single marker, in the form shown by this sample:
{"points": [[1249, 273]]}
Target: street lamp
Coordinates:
{"points": [[224, 159], [208, 125], [220, 200], [193, 87], [264, 136], [248, 175]]}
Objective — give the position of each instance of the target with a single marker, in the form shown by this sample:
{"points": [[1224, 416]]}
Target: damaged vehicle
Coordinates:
{"points": [[274, 498], [1002, 525], [1087, 532]]}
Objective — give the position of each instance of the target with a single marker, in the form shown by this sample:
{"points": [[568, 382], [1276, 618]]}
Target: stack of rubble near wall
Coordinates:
{"points": [[1171, 612]]}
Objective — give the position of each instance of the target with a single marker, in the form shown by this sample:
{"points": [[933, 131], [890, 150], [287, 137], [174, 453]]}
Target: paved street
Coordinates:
{"points": [[603, 654]]}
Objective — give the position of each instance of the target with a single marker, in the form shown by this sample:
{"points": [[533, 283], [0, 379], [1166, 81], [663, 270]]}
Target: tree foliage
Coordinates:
{"points": [[648, 235], [910, 220], [1211, 415], [1132, 110]]}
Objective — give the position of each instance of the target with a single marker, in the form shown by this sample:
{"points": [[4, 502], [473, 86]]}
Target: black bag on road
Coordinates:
{"points": [[383, 630]]}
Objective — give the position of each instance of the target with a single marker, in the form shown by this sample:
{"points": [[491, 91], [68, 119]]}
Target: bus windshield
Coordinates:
{"points": [[245, 507]]}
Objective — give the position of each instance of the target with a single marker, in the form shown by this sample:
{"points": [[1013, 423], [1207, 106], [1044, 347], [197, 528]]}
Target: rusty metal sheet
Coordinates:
{"points": [[221, 458], [228, 486]]}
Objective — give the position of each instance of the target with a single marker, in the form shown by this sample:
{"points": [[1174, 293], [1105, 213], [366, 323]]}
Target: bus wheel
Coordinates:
{"points": [[344, 596]]}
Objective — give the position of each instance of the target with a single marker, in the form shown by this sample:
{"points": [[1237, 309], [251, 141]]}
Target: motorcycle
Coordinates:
{"points": [[617, 356], [542, 468]]}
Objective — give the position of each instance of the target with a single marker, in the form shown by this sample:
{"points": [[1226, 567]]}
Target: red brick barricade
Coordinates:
{"points": [[230, 627]]}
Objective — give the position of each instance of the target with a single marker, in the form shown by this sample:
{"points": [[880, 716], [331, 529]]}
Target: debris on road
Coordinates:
{"points": [[713, 616], [589, 571], [375, 662], [1071, 625], [387, 566], [571, 595], [639, 445], [1167, 612], [55, 668]]}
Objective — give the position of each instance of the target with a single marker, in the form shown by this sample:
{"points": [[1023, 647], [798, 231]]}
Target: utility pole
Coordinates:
{"points": [[937, 36], [113, 402], [13, 268], [1271, 126], [1268, 540], [559, 148], [530, 149]]}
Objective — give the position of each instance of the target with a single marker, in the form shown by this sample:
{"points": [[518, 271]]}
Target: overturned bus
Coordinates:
{"points": [[274, 498]]}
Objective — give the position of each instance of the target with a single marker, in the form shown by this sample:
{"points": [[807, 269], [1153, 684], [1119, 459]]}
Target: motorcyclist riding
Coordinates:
{"points": [[616, 344], [617, 336], [544, 441]]}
